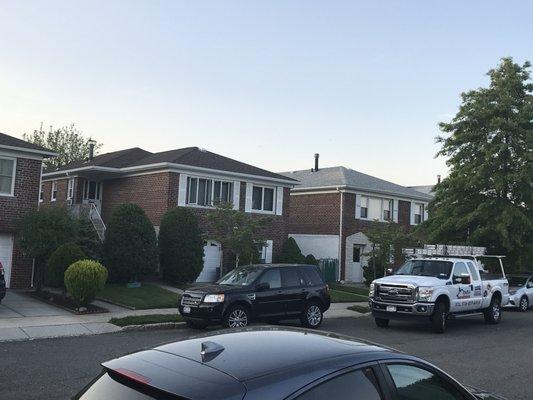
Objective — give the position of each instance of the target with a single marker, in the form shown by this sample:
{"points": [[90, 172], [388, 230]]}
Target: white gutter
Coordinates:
{"points": [[340, 233], [349, 189], [26, 150]]}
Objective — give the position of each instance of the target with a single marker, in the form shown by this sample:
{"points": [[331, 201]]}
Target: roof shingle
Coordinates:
{"points": [[10, 141]]}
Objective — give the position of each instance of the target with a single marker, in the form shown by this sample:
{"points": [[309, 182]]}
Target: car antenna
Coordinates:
{"points": [[210, 350]]}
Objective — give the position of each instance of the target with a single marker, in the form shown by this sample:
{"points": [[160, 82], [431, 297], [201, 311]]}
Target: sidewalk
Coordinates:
{"points": [[25, 318]]}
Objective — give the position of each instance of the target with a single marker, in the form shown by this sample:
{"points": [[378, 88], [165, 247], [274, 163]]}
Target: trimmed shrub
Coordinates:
{"points": [[84, 279], [59, 261], [181, 247], [130, 245], [311, 259], [291, 253]]}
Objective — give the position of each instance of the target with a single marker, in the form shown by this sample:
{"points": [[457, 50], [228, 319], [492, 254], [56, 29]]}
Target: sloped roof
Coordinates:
{"points": [[7, 141], [190, 156], [351, 179]]}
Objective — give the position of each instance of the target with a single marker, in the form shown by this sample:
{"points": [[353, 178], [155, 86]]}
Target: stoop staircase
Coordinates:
{"points": [[90, 211]]}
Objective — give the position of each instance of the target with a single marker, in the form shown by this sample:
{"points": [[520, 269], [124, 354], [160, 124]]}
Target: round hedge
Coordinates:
{"points": [[181, 247], [59, 261], [84, 279], [130, 244]]}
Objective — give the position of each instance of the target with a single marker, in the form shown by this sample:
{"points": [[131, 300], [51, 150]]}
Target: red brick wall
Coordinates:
{"points": [[12, 209], [315, 214]]}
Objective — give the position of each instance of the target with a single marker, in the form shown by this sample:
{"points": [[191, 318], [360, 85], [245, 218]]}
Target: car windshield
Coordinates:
{"points": [[241, 276], [517, 281], [437, 269]]}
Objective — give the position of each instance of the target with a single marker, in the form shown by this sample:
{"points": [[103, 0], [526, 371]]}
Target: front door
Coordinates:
{"points": [[354, 270], [269, 302], [212, 259], [6, 255], [92, 194], [294, 293]]}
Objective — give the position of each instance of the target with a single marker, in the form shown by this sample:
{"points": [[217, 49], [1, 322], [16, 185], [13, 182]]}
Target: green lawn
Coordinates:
{"points": [[361, 309], [362, 292], [144, 297], [146, 319], [338, 296]]}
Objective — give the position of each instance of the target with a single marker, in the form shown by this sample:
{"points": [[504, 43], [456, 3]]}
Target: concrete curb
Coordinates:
{"points": [[150, 327]]}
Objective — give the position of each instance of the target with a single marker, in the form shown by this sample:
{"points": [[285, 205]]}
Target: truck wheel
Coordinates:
{"points": [[524, 304], [312, 316], [439, 317], [382, 322], [493, 313]]}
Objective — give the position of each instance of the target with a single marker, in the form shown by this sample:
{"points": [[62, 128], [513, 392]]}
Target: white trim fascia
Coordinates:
{"points": [[16, 154], [345, 189], [26, 150], [179, 168]]}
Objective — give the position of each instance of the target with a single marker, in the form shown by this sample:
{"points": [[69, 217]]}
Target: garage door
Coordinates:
{"points": [[212, 258], [6, 253]]}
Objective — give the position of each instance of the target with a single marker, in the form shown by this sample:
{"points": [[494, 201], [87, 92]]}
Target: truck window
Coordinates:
{"points": [[473, 271], [436, 268], [460, 269]]}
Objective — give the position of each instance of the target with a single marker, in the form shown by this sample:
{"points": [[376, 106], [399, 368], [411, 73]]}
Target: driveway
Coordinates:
{"points": [[20, 305]]}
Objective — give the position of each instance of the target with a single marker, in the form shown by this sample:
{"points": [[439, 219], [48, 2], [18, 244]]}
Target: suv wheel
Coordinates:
{"points": [[237, 317], [438, 319], [524, 304], [312, 316], [493, 313]]}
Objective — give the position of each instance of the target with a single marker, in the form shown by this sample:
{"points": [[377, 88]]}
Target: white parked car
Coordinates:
{"points": [[520, 291]]}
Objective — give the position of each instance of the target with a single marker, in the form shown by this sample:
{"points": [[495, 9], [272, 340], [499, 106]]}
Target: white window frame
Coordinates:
{"points": [[13, 176], [41, 193], [211, 183], [70, 189], [383, 201], [97, 190], [422, 208], [53, 197], [262, 210]]}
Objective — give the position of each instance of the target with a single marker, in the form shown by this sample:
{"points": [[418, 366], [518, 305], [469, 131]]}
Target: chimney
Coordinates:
{"points": [[316, 161], [438, 179], [92, 143]]}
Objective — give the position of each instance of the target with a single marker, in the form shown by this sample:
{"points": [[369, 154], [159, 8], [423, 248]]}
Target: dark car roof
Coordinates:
{"points": [[268, 350]]}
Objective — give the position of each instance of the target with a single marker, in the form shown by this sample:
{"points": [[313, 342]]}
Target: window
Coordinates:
{"points": [[377, 208], [53, 195], [356, 253], [206, 192], [92, 190], [460, 269], [311, 276], [473, 271], [419, 213], [262, 198], [70, 189], [7, 176], [112, 387], [413, 383], [289, 277], [272, 277], [437, 269], [41, 193], [360, 385]]}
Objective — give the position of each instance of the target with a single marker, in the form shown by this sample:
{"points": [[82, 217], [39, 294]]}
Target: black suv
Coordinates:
{"points": [[2, 283], [269, 292]]}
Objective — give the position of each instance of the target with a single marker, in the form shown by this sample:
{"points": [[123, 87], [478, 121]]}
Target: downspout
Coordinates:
{"points": [[340, 233]]}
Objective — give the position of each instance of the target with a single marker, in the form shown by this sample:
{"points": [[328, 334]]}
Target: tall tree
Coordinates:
{"points": [[238, 232], [68, 141], [486, 199]]}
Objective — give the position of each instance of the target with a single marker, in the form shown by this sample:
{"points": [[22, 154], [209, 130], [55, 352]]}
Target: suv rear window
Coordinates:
{"points": [[106, 387], [311, 276]]}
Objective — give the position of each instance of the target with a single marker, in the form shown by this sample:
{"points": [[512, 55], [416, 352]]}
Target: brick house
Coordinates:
{"points": [[20, 176], [188, 177], [330, 208]]}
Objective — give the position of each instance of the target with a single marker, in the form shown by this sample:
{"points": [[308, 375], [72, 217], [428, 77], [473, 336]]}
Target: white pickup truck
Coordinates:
{"points": [[435, 288]]}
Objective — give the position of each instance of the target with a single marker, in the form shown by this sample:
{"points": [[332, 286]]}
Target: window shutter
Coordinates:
{"points": [[357, 206], [182, 190], [236, 194], [279, 200], [268, 257], [412, 213], [248, 202], [395, 211]]}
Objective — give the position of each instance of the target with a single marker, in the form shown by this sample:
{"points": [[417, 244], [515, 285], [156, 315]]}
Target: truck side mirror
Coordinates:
{"points": [[389, 271]]}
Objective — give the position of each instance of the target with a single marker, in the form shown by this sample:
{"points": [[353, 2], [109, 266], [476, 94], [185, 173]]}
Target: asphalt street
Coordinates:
{"points": [[498, 358]]}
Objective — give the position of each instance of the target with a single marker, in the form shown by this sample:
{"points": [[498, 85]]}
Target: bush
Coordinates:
{"points": [[368, 270], [88, 240], [59, 261], [130, 245], [181, 247], [290, 253], [84, 279], [311, 260]]}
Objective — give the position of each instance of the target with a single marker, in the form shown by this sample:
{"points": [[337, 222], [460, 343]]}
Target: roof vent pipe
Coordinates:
{"points": [[91, 143], [316, 161], [438, 179]]}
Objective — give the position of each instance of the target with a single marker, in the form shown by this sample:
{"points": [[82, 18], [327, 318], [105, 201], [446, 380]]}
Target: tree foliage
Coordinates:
{"points": [[130, 245], [486, 199], [60, 260], [180, 246], [68, 141], [290, 253], [239, 233], [84, 279]]}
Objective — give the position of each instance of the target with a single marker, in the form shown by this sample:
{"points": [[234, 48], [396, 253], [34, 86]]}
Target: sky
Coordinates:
{"points": [[269, 83]]}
